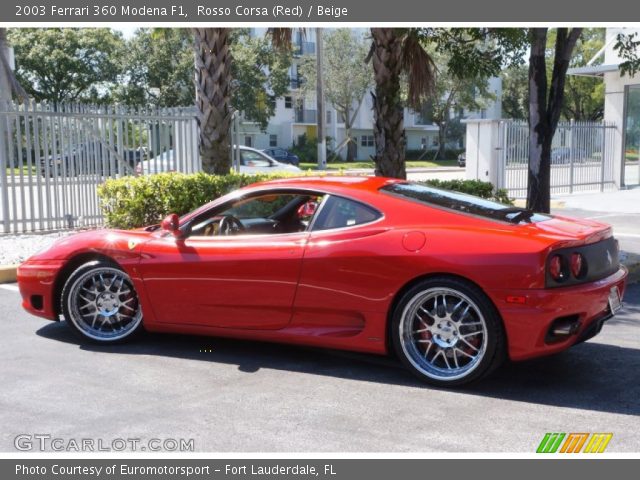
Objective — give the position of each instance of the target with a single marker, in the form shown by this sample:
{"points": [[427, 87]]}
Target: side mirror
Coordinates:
{"points": [[171, 223]]}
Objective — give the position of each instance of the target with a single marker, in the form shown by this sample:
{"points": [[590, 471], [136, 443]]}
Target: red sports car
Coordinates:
{"points": [[451, 283]]}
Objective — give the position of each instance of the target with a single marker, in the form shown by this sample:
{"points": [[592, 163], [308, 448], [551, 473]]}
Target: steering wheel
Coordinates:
{"points": [[230, 225]]}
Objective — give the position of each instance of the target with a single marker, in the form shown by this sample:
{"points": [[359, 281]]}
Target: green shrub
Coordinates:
{"points": [[472, 187], [132, 202]]}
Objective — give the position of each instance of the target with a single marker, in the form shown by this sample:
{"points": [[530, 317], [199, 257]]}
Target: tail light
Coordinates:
{"points": [[578, 265], [556, 268]]}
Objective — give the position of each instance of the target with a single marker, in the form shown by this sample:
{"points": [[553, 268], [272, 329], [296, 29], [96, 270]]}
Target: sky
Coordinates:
{"points": [[127, 30]]}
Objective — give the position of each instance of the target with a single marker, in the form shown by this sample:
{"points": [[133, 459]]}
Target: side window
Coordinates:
{"points": [[339, 212], [253, 159], [268, 213]]}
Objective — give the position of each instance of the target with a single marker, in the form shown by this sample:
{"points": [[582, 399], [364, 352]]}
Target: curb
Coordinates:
{"points": [[8, 273]]}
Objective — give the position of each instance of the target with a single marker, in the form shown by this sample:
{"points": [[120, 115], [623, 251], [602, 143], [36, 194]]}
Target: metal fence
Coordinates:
{"points": [[582, 157], [53, 157]]}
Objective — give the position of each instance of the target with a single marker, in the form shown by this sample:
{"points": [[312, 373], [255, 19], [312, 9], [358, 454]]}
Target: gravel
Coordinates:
{"points": [[16, 248]]}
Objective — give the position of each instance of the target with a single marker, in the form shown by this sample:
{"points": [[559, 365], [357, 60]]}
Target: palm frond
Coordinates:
{"points": [[420, 69], [281, 38]]}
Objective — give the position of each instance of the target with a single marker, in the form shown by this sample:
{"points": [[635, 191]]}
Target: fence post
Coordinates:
{"points": [[604, 151], [571, 154], [4, 164]]}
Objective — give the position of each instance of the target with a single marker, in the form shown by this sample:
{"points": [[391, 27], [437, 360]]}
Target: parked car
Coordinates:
{"points": [[251, 161], [451, 283], [87, 159], [564, 155], [462, 160], [282, 155]]}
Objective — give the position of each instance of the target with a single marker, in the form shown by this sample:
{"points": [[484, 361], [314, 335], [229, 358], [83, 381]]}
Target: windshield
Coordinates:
{"points": [[461, 202]]}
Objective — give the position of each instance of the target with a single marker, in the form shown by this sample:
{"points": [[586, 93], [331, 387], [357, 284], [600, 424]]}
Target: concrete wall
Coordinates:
{"points": [[483, 150]]}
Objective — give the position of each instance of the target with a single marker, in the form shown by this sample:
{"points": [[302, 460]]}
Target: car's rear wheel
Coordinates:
{"points": [[447, 332], [100, 303]]}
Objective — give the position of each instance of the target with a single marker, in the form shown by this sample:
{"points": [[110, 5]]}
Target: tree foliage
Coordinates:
{"points": [[262, 75], [67, 64], [347, 78], [584, 96], [453, 94], [157, 69]]}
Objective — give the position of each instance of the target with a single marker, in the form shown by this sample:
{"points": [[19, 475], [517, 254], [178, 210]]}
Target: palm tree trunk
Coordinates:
{"points": [[388, 127], [213, 98]]}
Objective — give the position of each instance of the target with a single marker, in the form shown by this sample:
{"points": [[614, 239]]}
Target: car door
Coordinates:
{"points": [[344, 268], [244, 281]]}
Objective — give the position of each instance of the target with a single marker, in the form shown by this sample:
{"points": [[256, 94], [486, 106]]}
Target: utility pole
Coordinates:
{"points": [[322, 141]]}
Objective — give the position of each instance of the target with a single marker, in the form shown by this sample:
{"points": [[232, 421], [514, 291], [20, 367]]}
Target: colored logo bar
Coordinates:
{"points": [[574, 442]]}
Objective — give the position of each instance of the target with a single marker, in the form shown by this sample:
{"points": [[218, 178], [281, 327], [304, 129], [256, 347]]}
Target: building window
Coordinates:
{"points": [[288, 102], [248, 141], [273, 140], [366, 141], [423, 143]]}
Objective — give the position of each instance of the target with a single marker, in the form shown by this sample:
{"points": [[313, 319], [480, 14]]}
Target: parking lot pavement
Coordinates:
{"points": [[254, 397], [620, 209]]}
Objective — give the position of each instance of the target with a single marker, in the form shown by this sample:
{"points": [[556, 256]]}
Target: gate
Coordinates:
{"points": [[582, 157], [53, 158]]}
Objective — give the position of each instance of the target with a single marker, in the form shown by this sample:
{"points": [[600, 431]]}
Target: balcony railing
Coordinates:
{"points": [[305, 116]]}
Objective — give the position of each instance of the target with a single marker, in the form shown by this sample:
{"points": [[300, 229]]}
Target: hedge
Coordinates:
{"points": [[132, 202]]}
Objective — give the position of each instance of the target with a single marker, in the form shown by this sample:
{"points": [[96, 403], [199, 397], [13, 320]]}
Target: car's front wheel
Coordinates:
{"points": [[100, 303], [447, 332]]}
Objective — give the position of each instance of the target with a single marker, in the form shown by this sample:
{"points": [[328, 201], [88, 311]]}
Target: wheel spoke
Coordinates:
{"points": [[464, 353], [479, 332], [455, 358], [446, 360], [469, 345], [426, 352]]}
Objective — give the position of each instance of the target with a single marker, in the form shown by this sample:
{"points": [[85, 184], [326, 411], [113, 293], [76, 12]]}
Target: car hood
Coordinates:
{"points": [[117, 244]]}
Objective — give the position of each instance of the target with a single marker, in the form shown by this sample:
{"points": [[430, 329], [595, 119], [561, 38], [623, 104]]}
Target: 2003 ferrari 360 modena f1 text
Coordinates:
{"points": [[451, 283]]}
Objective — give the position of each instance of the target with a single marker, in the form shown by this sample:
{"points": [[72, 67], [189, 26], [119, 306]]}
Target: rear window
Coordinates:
{"points": [[463, 203]]}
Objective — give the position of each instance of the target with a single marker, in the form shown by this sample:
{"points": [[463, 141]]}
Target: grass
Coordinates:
{"points": [[369, 164], [25, 170]]}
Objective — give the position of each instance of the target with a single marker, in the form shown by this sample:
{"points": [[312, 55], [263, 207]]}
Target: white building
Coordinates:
{"points": [[295, 115], [621, 107]]}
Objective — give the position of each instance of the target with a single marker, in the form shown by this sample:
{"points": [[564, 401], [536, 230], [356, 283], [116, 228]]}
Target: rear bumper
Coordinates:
{"points": [[36, 282], [527, 325]]}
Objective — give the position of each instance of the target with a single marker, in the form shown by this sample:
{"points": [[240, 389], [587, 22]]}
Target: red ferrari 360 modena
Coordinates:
{"points": [[451, 283]]}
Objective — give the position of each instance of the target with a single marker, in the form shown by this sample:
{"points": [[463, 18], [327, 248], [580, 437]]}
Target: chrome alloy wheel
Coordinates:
{"points": [[103, 304], [443, 334]]}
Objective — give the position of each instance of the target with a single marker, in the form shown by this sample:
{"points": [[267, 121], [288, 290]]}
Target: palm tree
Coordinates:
{"points": [[213, 97], [214, 90], [394, 52]]}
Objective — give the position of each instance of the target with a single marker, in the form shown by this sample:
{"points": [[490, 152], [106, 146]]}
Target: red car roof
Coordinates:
{"points": [[334, 182]]}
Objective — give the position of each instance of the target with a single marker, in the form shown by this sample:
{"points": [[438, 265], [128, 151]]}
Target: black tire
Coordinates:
{"points": [[107, 295], [440, 340]]}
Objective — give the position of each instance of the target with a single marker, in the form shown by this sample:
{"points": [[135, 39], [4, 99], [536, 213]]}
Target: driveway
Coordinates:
{"points": [[233, 396]]}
